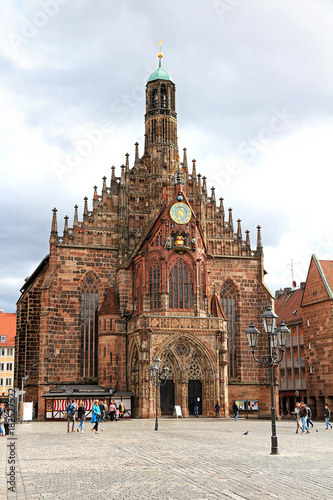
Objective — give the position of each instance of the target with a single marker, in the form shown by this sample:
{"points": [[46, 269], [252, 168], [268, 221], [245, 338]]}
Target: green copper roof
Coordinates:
{"points": [[160, 74]]}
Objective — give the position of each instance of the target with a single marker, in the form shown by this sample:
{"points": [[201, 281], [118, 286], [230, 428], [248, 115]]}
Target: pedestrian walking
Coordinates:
{"points": [[235, 410], [121, 409], [309, 416], [5, 421], [81, 414], [112, 411], [71, 415], [196, 407], [96, 416], [297, 416], [327, 414], [102, 408], [304, 415], [217, 409]]}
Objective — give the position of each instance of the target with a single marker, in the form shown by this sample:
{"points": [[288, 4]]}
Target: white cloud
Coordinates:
{"points": [[82, 67]]}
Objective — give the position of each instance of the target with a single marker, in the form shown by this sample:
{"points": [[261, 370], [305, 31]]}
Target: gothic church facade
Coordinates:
{"points": [[156, 267]]}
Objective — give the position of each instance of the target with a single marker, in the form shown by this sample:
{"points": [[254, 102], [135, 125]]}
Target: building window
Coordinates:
{"points": [[2, 352], [180, 287], [154, 99], [1, 381], [3, 338], [163, 96], [89, 328], [2, 367], [10, 351], [9, 367], [155, 286], [228, 302], [139, 288], [8, 381]]}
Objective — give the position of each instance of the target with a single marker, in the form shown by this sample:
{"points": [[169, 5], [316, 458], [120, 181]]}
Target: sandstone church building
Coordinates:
{"points": [[155, 268]]}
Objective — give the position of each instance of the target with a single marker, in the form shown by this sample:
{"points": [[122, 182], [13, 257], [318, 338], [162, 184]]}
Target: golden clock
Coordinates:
{"points": [[180, 213]]}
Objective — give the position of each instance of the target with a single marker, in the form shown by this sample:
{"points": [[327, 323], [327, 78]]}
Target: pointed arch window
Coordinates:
{"points": [[139, 287], [89, 328], [180, 287], [155, 286], [228, 302], [154, 99], [164, 101]]}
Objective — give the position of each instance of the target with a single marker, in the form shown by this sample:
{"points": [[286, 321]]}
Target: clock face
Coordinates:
{"points": [[180, 213]]}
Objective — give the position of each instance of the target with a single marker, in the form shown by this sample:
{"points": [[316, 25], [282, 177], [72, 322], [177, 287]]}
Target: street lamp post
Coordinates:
{"points": [[158, 377], [277, 341]]}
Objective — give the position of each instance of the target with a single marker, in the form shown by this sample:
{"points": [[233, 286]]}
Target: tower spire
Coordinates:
{"points": [[160, 55]]}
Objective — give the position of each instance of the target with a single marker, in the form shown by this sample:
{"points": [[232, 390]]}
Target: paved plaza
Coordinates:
{"points": [[194, 459]]}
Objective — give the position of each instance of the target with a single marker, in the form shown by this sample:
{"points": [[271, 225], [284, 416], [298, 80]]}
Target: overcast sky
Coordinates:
{"points": [[254, 82]]}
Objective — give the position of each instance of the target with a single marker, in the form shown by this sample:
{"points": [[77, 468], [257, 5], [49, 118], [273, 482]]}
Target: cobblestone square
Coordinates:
{"points": [[189, 459]]}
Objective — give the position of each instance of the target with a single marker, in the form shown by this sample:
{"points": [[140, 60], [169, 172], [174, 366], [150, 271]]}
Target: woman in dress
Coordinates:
{"points": [[96, 416]]}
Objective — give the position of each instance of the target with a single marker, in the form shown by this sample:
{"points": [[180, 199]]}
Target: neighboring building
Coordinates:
{"points": [[292, 373], [156, 267], [7, 348], [306, 373], [317, 312]]}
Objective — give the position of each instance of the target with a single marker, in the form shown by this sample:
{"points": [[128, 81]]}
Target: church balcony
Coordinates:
{"points": [[176, 323]]}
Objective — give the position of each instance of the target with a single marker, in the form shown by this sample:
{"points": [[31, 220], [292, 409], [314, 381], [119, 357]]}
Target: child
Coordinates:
{"points": [[117, 414]]}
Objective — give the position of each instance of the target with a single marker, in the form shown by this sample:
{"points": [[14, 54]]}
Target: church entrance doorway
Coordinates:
{"points": [[167, 397], [194, 392]]}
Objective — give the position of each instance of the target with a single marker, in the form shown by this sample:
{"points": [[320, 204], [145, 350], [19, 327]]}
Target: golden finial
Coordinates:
{"points": [[160, 55]]}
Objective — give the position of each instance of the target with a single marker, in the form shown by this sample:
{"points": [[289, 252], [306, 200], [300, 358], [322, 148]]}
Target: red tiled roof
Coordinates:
{"points": [[327, 267], [110, 304], [8, 328], [216, 308], [288, 307]]}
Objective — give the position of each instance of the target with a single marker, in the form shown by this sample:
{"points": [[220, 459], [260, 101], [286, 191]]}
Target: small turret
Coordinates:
{"points": [[204, 187], [54, 225], [194, 170], [259, 242], [231, 224], [212, 198], [136, 157], [76, 217], [239, 230], [185, 160], [85, 211], [248, 244], [199, 184], [127, 162], [104, 187]]}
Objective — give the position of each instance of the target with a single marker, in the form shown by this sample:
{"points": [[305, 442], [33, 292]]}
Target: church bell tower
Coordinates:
{"points": [[161, 120]]}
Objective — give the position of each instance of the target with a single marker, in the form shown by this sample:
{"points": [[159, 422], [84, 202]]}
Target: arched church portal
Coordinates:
{"points": [[190, 377]]}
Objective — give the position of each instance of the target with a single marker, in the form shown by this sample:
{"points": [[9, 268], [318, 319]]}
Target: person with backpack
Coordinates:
{"points": [[217, 409], [71, 415]]}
